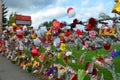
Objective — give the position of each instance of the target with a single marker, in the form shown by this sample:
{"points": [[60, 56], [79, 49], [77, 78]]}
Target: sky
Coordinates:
{"points": [[46, 10]]}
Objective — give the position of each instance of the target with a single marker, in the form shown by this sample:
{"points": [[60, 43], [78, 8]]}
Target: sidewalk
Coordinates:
{"points": [[9, 71]]}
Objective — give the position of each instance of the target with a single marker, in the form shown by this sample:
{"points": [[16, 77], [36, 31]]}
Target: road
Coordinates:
{"points": [[9, 71]]}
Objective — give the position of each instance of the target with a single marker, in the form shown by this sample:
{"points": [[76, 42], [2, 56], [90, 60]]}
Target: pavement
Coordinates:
{"points": [[10, 71]]}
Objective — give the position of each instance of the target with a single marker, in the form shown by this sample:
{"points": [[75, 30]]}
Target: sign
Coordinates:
{"points": [[107, 31], [22, 17], [23, 22]]}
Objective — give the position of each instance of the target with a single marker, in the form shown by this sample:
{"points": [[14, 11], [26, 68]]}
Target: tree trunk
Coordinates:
{"points": [[0, 16]]}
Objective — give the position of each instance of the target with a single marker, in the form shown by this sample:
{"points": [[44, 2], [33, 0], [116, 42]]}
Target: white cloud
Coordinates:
{"points": [[85, 2], [48, 14], [93, 11]]}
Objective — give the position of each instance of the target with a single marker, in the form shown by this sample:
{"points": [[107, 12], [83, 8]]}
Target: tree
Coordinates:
{"points": [[0, 16], [11, 19], [4, 14]]}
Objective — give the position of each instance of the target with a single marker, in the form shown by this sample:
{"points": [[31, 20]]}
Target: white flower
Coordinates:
{"points": [[68, 53]]}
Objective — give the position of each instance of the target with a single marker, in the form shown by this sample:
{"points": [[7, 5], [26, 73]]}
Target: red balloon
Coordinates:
{"points": [[56, 24], [19, 35], [34, 52], [106, 46], [68, 10]]}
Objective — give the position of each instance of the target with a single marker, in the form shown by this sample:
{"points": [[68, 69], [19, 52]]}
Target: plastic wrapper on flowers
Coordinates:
{"points": [[81, 74]]}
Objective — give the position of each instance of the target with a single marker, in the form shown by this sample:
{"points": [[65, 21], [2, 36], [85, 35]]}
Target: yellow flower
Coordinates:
{"points": [[48, 33], [29, 64], [33, 36], [35, 63], [62, 46], [59, 55]]}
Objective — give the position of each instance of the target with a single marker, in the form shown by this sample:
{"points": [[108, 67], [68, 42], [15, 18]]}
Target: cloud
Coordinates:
{"points": [[91, 11], [48, 14], [85, 2]]}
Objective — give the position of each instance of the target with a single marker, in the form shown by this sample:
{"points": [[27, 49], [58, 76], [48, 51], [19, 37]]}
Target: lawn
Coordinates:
{"points": [[89, 56]]}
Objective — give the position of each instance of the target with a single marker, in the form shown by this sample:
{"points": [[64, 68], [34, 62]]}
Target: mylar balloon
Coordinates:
{"points": [[117, 0], [19, 35], [71, 13], [116, 8], [106, 46], [34, 52], [56, 24]]}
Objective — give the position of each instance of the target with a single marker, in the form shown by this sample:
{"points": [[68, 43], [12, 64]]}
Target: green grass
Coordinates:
{"points": [[90, 55]]}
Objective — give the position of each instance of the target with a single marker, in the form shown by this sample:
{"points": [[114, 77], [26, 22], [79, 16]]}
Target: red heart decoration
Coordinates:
{"points": [[106, 46]]}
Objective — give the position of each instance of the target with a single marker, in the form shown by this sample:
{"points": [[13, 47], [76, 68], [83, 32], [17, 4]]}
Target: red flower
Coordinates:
{"points": [[92, 22]]}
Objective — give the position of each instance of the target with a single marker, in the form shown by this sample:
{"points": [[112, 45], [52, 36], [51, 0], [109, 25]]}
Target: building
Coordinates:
{"points": [[22, 19]]}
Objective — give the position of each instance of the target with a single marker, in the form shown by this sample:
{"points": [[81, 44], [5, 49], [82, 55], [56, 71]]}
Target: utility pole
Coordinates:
{"points": [[0, 16]]}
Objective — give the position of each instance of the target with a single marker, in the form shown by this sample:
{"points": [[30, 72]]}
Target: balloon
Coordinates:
{"points": [[116, 8], [34, 52], [56, 24], [19, 35], [106, 46], [68, 10], [71, 13], [117, 1]]}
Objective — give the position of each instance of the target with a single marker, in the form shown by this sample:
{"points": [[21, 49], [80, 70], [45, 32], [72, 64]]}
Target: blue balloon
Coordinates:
{"points": [[117, 53]]}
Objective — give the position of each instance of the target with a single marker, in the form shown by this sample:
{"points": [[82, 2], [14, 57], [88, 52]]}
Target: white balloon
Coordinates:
{"points": [[71, 13]]}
